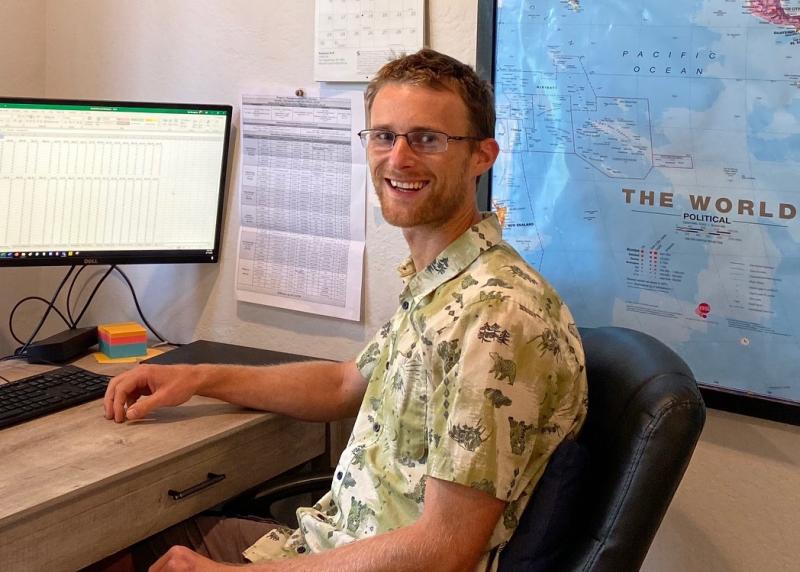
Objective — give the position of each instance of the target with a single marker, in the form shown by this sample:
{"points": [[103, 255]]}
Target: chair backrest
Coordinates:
{"points": [[603, 498]]}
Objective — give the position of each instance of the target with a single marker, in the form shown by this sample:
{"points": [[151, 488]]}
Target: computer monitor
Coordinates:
{"points": [[105, 182]]}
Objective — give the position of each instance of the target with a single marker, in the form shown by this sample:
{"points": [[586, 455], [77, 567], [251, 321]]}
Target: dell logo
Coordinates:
{"points": [[90, 261]]}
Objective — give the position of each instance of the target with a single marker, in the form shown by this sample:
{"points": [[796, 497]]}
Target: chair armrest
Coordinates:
{"points": [[258, 500]]}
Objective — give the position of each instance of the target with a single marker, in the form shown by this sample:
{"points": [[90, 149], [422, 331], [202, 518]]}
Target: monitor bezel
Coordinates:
{"points": [[161, 256]]}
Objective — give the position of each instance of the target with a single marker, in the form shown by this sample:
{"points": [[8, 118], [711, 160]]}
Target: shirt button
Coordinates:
{"points": [[339, 476], [376, 427], [405, 304]]}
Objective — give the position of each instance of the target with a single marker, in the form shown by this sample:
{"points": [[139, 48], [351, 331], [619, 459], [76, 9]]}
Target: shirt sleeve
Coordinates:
{"points": [[371, 354], [511, 387]]}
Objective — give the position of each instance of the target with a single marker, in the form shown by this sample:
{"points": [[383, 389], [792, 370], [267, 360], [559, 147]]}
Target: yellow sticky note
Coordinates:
{"points": [[122, 330]]}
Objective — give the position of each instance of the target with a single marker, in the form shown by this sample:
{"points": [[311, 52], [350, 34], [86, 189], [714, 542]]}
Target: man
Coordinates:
{"points": [[461, 397]]}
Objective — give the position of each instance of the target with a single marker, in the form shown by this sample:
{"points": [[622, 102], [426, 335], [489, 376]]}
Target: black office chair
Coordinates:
{"points": [[601, 499]]}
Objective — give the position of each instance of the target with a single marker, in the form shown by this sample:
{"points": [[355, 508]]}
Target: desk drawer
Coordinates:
{"points": [[131, 506]]}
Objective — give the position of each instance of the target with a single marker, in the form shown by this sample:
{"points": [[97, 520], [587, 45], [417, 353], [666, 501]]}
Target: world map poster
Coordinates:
{"points": [[650, 169]]}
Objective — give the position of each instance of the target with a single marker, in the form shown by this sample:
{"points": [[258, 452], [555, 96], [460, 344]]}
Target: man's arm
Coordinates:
{"points": [[451, 534], [313, 391]]}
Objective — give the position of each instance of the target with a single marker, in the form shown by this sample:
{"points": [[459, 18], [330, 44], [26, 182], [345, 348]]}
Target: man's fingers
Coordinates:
{"points": [[180, 558], [139, 410], [165, 386], [123, 390], [108, 398], [136, 408], [118, 399]]}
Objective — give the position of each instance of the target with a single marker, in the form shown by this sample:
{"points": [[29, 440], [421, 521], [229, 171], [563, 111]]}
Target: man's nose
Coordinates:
{"points": [[401, 152]]}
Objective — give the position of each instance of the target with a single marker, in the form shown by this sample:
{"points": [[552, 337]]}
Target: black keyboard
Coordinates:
{"points": [[47, 392]]}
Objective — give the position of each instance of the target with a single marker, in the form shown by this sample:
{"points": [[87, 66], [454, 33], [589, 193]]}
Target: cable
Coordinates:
{"points": [[135, 301], [18, 304], [91, 296], [111, 268], [21, 351], [69, 295], [68, 320], [70, 323], [139, 309]]}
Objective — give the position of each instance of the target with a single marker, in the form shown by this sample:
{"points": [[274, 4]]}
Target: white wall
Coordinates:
{"points": [[737, 509], [22, 61], [738, 506], [22, 53]]}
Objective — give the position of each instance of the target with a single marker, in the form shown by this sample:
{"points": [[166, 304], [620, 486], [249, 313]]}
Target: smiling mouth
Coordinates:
{"points": [[406, 186]]}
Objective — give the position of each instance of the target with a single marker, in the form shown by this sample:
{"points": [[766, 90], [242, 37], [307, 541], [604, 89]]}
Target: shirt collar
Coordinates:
{"points": [[458, 255]]}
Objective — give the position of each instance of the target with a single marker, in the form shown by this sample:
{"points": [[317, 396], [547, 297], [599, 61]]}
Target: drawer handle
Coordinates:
{"points": [[211, 479]]}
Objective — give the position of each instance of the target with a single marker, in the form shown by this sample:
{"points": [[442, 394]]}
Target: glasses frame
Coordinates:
{"points": [[364, 135]]}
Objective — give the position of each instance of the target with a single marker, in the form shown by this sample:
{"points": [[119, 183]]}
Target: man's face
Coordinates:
{"points": [[422, 189]]}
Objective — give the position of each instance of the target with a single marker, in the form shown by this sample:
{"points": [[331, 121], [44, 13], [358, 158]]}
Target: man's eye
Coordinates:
{"points": [[427, 138], [383, 136]]}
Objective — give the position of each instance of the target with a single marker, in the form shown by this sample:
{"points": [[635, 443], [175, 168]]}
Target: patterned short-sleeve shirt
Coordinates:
{"points": [[476, 379]]}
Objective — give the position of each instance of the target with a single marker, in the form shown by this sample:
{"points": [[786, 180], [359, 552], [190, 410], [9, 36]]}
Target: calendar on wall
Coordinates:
{"points": [[354, 38]]}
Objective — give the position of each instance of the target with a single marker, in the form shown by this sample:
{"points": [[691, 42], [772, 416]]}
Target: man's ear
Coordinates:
{"points": [[484, 156]]}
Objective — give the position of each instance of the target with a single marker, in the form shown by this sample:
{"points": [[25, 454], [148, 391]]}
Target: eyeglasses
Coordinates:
{"points": [[420, 141]]}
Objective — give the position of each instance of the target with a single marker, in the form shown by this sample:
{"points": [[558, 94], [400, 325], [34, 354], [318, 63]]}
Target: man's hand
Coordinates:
{"points": [[166, 386], [182, 559]]}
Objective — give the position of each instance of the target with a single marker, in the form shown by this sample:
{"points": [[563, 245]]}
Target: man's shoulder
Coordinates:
{"points": [[499, 275], [502, 290]]}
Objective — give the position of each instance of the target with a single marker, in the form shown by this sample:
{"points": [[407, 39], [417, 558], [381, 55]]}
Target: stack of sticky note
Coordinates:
{"points": [[126, 339]]}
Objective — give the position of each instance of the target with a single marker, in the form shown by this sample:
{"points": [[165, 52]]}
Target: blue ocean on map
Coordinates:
{"points": [[649, 167]]}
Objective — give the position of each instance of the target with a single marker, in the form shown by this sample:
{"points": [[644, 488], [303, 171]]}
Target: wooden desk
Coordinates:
{"points": [[75, 487]]}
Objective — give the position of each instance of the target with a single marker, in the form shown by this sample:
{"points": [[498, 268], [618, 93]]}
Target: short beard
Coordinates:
{"points": [[434, 211]]}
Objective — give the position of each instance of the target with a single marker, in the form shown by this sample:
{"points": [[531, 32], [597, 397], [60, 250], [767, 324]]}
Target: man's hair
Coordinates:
{"points": [[429, 68]]}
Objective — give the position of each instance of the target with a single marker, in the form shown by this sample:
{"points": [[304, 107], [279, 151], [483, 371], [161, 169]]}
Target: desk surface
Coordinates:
{"points": [[76, 487]]}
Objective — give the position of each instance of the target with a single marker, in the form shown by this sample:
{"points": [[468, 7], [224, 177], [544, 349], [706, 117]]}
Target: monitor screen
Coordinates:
{"points": [[101, 182]]}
